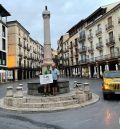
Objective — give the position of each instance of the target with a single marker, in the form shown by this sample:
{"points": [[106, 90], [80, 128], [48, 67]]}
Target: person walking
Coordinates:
{"points": [[55, 75]]}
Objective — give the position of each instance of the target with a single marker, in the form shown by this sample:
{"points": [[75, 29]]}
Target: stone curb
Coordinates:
{"points": [[95, 98]]}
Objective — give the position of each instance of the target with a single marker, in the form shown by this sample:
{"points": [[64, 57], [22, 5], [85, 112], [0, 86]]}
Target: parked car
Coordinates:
{"points": [[111, 83]]}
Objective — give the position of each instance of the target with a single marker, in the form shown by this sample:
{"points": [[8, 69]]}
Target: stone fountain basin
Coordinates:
{"points": [[35, 88]]}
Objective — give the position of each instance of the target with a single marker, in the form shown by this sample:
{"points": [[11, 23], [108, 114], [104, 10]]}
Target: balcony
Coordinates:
{"points": [[28, 48], [99, 32], [112, 56], [25, 56], [66, 58], [67, 50], [82, 38], [109, 26], [90, 37], [20, 44], [99, 58], [91, 60], [110, 42], [99, 46], [20, 54], [64, 51], [90, 49], [75, 44], [84, 61], [71, 55], [83, 49], [30, 57], [71, 46], [75, 53], [25, 46], [35, 51]]}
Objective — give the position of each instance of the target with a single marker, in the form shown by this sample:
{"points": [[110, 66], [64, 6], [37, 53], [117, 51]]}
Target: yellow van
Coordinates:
{"points": [[111, 83]]}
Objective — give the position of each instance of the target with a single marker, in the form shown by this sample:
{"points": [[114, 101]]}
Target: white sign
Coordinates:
{"points": [[46, 79]]}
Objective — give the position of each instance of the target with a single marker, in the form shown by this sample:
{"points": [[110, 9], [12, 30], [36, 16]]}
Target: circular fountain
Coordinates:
{"points": [[19, 100]]}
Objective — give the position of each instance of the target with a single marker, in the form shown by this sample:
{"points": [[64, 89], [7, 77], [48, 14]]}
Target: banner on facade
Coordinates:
{"points": [[10, 74], [46, 79]]}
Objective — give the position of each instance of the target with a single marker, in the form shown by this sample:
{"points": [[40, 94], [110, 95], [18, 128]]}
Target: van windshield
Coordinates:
{"points": [[112, 74]]}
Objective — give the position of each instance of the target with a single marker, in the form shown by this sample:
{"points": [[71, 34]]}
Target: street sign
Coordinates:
{"points": [[46, 79]]}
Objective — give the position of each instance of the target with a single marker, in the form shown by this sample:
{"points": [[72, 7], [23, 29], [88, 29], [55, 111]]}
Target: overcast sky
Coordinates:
{"points": [[64, 14]]}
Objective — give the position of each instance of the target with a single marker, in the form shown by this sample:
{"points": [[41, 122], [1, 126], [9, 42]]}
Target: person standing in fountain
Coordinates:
{"points": [[48, 71], [55, 75], [47, 88]]}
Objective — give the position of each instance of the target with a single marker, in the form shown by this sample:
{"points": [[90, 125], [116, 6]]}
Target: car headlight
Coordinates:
{"points": [[106, 86]]}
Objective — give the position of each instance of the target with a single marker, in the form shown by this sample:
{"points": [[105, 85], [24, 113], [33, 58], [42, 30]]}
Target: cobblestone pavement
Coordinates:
{"points": [[104, 114]]}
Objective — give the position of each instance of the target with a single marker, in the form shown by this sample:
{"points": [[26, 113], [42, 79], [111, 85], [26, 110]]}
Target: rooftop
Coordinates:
{"points": [[4, 12], [16, 22]]}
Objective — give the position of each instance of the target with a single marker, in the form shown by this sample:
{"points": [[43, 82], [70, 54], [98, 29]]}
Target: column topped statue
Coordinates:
{"points": [[47, 39]]}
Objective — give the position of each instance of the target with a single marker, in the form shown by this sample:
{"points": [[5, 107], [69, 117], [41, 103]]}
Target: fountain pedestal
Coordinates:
{"points": [[35, 89]]}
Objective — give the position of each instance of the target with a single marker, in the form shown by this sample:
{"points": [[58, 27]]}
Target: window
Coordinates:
{"points": [[101, 53], [76, 42], [71, 44], [2, 58], [92, 55], [111, 35], [100, 40], [110, 21], [83, 57], [76, 60], [3, 31], [90, 32], [111, 50], [19, 40], [3, 44], [91, 44], [82, 34], [24, 63], [19, 31], [98, 26]]}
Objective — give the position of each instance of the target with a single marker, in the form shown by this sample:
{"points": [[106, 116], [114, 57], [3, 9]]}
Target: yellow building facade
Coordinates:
{"points": [[25, 55]]}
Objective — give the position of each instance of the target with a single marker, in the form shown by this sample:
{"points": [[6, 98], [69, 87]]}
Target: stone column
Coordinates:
{"points": [[70, 71], [98, 73], [80, 71], [9, 92], [67, 72], [95, 73], [89, 71], [88, 94], [19, 91], [116, 67], [47, 41], [101, 73], [22, 74], [16, 74], [119, 64], [107, 66], [8, 100]]}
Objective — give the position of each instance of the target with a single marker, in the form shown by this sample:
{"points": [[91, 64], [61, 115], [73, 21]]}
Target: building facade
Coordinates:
{"points": [[25, 55], [3, 43], [94, 43]]}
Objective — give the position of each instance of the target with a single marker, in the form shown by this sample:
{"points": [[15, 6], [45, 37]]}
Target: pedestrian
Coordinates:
{"points": [[48, 71], [55, 75]]}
